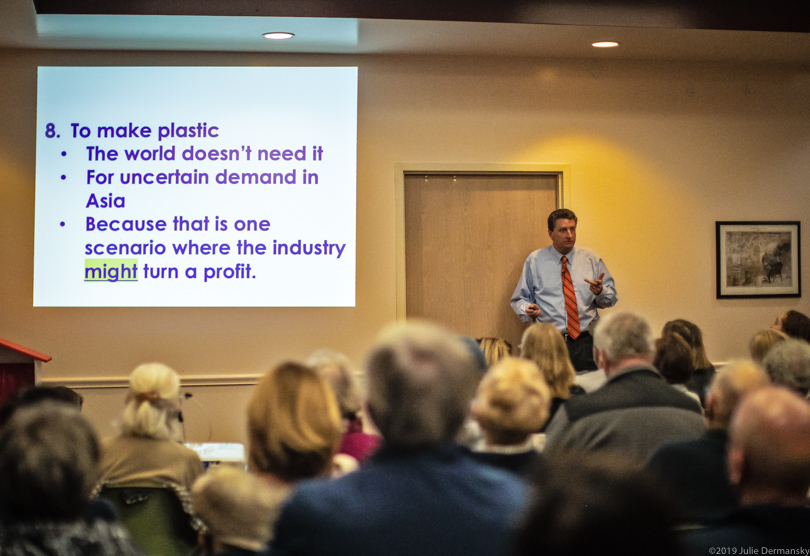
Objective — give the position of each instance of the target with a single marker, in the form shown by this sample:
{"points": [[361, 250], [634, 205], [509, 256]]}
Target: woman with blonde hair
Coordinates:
{"points": [[543, 344], [762, 342], [510, 405], [147, 451], [294, 425], [494, 349], [337, 370]]}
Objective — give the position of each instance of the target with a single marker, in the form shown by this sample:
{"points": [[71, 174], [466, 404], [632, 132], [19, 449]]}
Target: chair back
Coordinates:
{"points": [[155, 518]]}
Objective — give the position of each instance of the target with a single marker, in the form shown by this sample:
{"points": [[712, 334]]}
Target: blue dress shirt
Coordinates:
{"points": [[541, 283]]}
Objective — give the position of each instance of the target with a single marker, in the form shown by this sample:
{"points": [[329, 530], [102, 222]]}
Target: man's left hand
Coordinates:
{"points": [[596, 285]]}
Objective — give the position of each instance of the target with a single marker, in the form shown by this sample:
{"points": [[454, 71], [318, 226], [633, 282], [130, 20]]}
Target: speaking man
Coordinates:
{"points": [[565, 285]]}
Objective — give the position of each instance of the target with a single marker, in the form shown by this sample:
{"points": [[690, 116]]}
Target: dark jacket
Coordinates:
{"points": [[635, 412], [435, 501]]}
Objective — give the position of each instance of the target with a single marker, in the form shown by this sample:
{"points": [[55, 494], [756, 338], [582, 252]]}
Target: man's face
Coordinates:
{"points": [[564, 235]]}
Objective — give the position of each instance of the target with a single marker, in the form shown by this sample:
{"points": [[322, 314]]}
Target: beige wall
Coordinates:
{"points": [[658, 152]]}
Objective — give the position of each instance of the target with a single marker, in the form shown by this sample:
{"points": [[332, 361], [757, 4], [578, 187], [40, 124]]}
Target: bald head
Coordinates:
{"points": [[735, 380], [769, 448]]}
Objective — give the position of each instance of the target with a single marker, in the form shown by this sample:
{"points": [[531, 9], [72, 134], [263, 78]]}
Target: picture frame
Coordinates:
{"points": [[758, 259]]}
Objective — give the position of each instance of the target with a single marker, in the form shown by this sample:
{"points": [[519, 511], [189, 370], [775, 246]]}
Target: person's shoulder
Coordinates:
{"points": [[540, 253], [586, 252]]}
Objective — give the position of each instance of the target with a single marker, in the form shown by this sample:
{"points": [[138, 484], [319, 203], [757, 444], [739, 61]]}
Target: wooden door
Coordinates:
{"points": [[466, 238]]}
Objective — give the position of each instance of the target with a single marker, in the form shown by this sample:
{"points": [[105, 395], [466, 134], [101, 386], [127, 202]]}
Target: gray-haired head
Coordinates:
{"points": [[624, 336], [421, 382], [788, 364], [338, 372], [49, 458], [239, 508]]}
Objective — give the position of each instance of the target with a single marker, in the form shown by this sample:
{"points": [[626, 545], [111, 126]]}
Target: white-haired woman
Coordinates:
{"points": [[512, 403], [147, 451]]}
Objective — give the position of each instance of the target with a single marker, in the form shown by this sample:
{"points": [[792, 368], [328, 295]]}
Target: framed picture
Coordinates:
{"points": [[758, 259]]}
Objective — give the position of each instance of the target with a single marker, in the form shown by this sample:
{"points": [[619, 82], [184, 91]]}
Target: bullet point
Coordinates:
{"points": [[62, 224], [64, 153], [63, 176]]}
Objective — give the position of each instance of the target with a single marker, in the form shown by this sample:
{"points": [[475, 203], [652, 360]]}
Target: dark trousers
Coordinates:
{"points": [[581, 351]]}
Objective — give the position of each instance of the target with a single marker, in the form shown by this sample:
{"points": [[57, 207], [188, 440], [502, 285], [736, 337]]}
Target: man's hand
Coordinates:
{"points": [[533, 310], [596, 285]]}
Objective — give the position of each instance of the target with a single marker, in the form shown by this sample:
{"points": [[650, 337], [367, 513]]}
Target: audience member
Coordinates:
{"points": [[696, 471], [494, 349], [704, 371], [36, 394], [147, 452], [762, 342], [788, 364], [794, 324], [239, 510], [337, 370], [294, 426], [636, 411], [510, 405], [673, 359], [595, 504], [420, 494], [769, 462], [543, 344], [49, 459]]}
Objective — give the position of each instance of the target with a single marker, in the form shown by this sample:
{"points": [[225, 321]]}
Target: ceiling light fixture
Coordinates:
{"points": [[278, 35], [605, 44]]}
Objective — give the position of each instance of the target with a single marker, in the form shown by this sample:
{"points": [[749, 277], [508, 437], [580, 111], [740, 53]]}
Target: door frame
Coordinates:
{"points": [[564, 199]]}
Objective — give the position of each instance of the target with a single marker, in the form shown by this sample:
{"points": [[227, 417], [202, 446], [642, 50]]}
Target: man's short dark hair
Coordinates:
{"points": [[564, 214], [796, 325], [36, 394]]}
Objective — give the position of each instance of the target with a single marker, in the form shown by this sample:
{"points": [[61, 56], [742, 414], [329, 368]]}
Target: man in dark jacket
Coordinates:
{"points": [[635, 411]]}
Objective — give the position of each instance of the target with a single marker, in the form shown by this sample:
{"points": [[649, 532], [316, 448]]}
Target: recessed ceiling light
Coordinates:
{"points": [[278, 35], [605, 44]]}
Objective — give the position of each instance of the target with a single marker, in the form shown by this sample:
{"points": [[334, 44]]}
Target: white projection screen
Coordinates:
{"points": [[196, 187]]}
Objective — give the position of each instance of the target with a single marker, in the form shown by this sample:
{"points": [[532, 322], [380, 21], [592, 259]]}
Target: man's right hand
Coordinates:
{"points": [[533, 310]]}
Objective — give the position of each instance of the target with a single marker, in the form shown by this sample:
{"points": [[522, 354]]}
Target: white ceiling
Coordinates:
{"points": [[21, 27]]}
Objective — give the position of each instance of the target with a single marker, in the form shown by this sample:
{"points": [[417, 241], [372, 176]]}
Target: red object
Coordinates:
{"points": [[19, 367], [358, 444], [570, 301]]}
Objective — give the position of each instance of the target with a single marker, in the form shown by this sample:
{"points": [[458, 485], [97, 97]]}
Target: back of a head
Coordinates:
{"points": [[599, 504], [37, 394], [494, 349], [294, 424], [512, 401], [769, 447], [238, 508], [151, 405], [796, 325], [49, 458], [734, 381], [690, 332], [673, 359], [624, 336], [337, 370], [788, 364], [763, 341], [543, 344], [421, 381]]}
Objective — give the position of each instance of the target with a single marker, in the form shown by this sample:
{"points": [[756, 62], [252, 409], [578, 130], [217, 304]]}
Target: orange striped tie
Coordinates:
{"points": [[570, 301]]}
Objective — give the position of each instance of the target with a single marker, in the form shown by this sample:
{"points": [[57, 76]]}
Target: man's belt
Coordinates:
{"points": [[568, 338]]}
